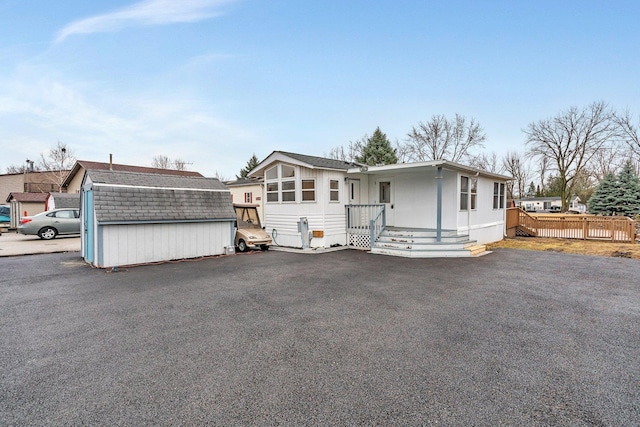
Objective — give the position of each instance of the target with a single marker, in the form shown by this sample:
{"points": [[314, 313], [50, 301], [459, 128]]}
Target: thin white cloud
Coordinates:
{"points": [[35, 112], [147, 12]]}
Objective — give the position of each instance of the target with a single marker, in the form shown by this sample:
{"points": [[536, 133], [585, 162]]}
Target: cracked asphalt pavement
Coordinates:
{"points": [[342, 338]]}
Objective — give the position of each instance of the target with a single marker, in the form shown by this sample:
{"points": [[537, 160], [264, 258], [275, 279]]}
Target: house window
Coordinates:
{"points": [[308, 190], [281, 183], [464, 192], [272, 191], [474, 194], [498, 195], [334, 195], [288, 191], [385, 192], [271, 173], [288, 171], [248, 197]]}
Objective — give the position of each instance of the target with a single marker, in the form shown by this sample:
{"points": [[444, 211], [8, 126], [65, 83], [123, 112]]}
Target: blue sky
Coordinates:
{"points": [[212, 81]]}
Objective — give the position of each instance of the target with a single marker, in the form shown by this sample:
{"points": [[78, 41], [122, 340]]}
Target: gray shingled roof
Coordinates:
{"points": [[154, 180], [122, 197], [66, 200], [321, 162]]}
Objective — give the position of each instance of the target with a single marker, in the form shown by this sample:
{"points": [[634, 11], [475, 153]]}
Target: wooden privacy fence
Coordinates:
{"points": [[615, 229]]}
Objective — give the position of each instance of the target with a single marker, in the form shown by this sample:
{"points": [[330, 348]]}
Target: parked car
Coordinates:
{"points": [[249, 231], [555, 209], [47, 225], [5, 214]]}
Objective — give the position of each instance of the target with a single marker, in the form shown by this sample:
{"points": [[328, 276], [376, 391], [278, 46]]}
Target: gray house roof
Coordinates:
{"points": [[321, 162], [312, 162], [66, 200], [130, 197]]}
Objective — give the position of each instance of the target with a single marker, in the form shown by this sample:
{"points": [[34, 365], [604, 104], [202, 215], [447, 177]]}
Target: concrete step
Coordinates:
{"points": [[423, 239], [422, 245], [418, 233], [413, 253]]}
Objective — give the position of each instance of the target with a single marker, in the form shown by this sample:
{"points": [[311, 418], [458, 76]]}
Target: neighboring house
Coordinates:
{"points": [[28, 182], [25, 204], [436, 208], [73, 181], [133, 218], [247, 191], [541, 204], [62, 200]]}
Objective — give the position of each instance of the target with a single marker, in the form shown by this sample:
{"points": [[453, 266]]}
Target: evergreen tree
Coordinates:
{"points": [[531, 192], [378, 151], [251, 164], [629, 191], [606, 196]]}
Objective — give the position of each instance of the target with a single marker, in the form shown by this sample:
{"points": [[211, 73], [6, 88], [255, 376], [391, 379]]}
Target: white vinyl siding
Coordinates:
{"points": [[144, 243]]}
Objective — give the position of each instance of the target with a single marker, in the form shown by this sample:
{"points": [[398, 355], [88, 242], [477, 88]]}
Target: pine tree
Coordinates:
{"points": [[605, 197], [251, 164], [378, 151], [629, 191]]}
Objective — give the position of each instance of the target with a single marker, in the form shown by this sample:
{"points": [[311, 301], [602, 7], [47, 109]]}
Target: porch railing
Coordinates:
{"points": [[365, 223], [615, 229]]}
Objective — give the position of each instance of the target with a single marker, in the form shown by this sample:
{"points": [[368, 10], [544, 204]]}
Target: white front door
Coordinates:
{"points": [[384, 187]]}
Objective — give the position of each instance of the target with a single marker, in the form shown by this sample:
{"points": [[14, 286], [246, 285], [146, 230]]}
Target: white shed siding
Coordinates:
{"points": [[144, 243]]}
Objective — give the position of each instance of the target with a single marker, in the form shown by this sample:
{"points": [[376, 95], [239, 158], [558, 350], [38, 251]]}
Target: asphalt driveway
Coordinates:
{"points": [[343, 338]]}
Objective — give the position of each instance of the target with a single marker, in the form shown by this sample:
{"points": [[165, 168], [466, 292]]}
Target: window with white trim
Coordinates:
{"points": [[308, 190], [288, 183], [280, 181], [248, 197], [272, 191], [334, 190], [271, 173], [474, 194], [498, 195], [464, 193]]}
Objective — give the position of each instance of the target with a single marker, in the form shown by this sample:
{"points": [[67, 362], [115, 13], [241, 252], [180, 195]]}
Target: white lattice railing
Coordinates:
{"points": [[365, 223]]}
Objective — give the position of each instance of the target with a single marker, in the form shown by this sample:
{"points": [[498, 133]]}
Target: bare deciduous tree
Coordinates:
{"points": [[570, 140], [516, 165], [22, 169], [348, 153], [444, 139], [59, 161], [607, 160], [630, 133], [487, 162], [164, 162]]}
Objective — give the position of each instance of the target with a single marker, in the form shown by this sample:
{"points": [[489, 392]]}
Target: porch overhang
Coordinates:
{"points": [[430, 166]]}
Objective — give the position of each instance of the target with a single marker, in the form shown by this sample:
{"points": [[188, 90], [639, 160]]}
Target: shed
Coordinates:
{"points": [[25, 204], [134, 218]]}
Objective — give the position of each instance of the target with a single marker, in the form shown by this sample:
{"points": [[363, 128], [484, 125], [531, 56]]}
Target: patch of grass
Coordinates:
{"points": [[582, 247]]}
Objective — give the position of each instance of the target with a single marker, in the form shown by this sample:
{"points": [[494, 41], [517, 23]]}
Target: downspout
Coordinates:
{"points": [[439, 205]]}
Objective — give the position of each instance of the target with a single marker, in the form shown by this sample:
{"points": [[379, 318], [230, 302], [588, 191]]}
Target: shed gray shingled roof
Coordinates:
{"points": [[321, 162], [123, 197]]}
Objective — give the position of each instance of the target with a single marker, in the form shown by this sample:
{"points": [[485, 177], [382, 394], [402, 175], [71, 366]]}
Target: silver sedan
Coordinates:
{"points": [[49, 224]]}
